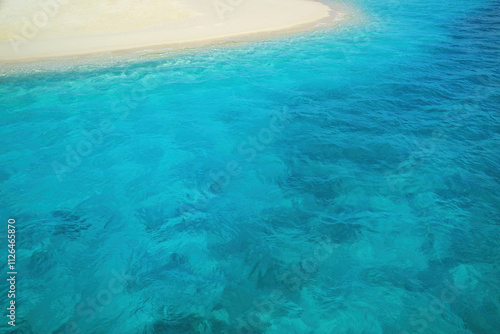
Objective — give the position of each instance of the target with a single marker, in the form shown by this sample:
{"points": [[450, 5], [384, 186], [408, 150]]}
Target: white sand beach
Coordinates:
{"points": [[31, 30]]}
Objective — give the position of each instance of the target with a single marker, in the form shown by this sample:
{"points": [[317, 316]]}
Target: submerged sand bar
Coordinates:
{"points": [[32, 30]]}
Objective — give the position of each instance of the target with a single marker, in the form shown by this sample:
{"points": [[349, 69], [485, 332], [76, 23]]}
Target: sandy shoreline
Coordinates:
{"points": [[65, 28]]}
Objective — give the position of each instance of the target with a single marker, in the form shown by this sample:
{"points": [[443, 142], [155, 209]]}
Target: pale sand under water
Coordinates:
{"points": [[55, 28]]}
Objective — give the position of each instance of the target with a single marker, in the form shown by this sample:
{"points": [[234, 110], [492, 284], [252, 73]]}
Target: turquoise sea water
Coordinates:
{"points": [[339, 181]]}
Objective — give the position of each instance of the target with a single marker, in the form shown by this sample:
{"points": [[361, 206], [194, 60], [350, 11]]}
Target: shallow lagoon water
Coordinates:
{"points": [[337, 181]]}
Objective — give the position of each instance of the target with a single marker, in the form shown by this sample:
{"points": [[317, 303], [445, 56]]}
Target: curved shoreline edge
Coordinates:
{"points": [[249, 19]]}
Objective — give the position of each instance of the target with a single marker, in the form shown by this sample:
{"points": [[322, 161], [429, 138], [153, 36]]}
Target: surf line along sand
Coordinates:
{"points": [[55, 28]]}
